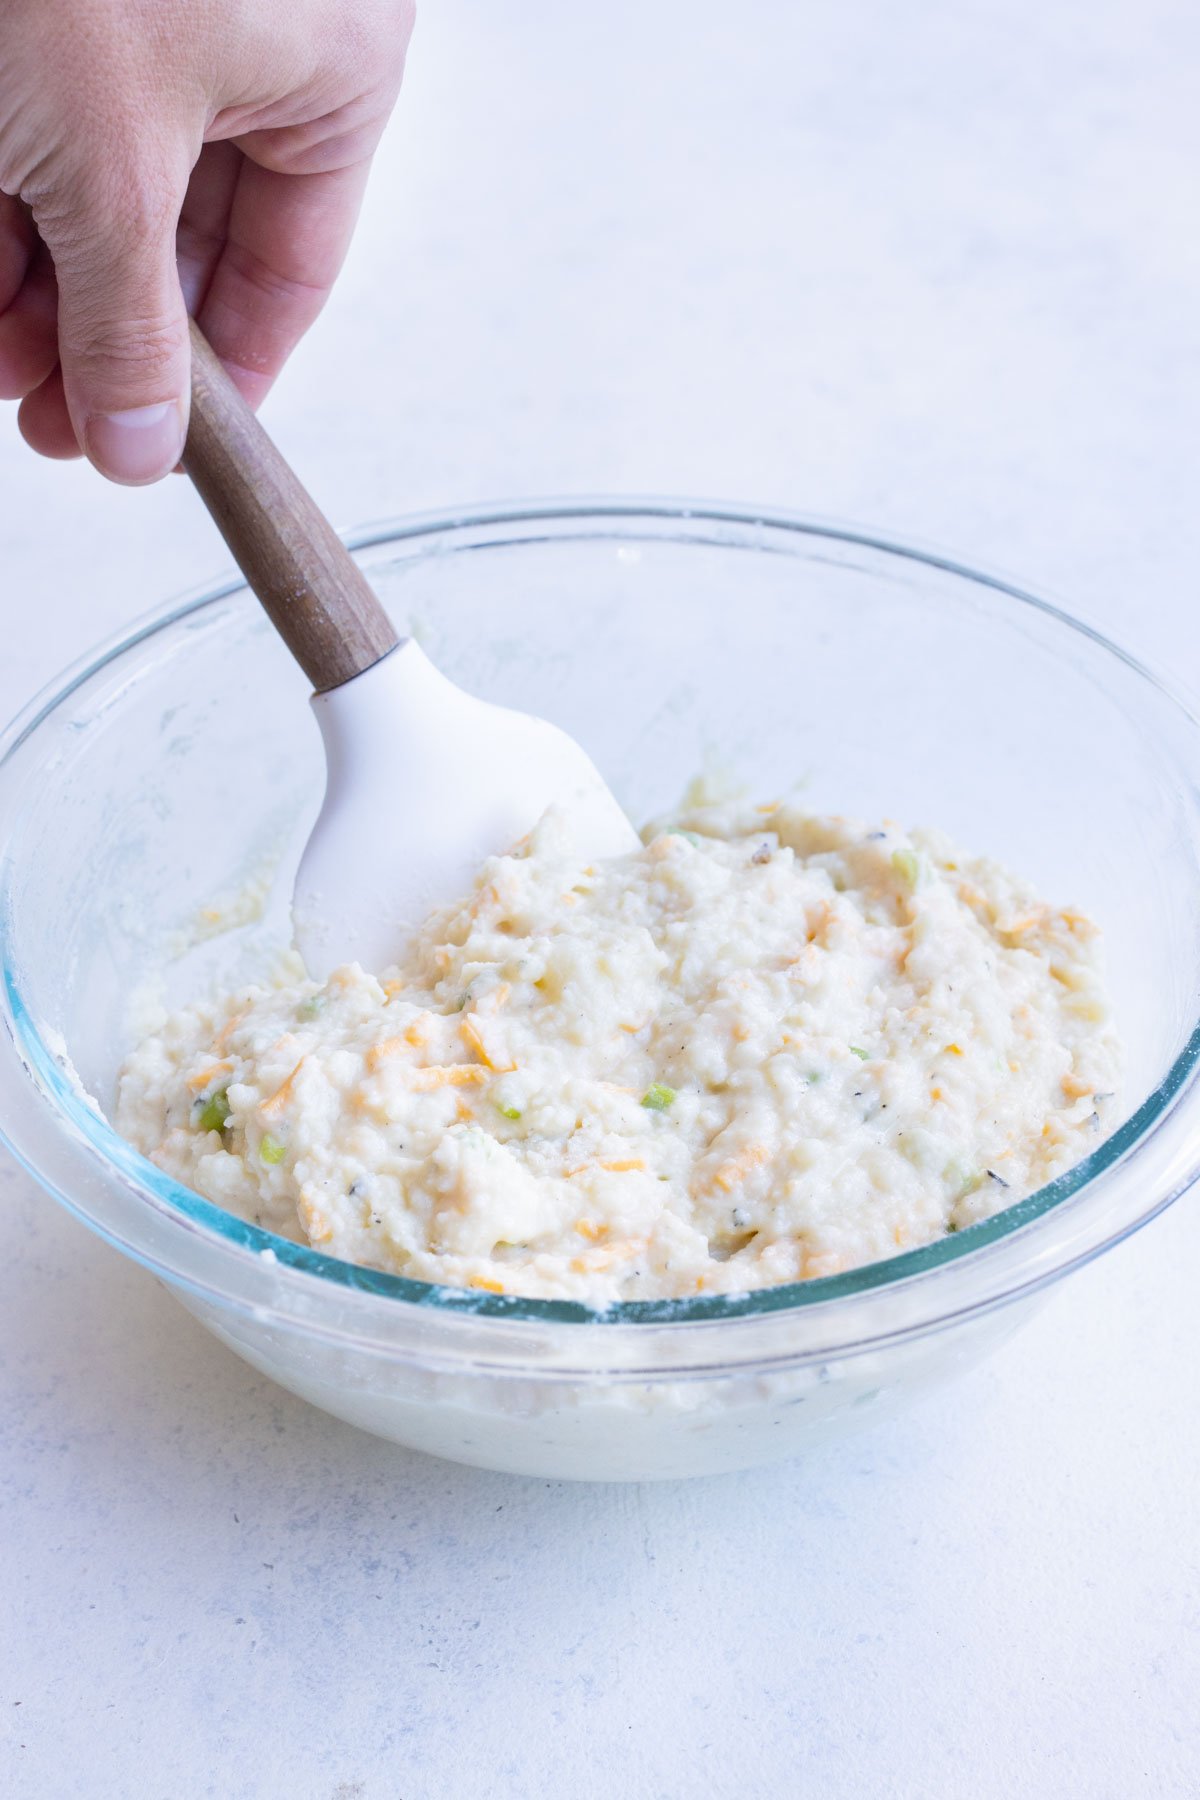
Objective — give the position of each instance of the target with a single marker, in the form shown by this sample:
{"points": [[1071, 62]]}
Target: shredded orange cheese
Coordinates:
{"points": [[282, 1095], [814, 1264], [202, 1077], [620, 1166], [447, 1075], [226, 1032], [469, 1026], [316, 1225], [732, 1173]]}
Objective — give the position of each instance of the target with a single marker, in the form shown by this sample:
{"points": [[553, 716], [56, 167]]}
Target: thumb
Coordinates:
{"points": [[122, 328]]}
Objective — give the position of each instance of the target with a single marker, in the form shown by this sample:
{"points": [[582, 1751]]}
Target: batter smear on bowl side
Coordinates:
{"points": [[764, 1047]]}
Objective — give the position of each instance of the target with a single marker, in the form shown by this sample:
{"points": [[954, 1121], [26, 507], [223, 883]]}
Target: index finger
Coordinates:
{"points": [[288, 237]]}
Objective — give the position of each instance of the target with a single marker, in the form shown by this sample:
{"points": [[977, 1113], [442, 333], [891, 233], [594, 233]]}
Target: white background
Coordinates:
{"points": [[934, 267]]}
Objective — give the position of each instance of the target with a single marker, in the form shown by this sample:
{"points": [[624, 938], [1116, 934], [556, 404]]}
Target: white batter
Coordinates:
{"points": [[764, 1047]]}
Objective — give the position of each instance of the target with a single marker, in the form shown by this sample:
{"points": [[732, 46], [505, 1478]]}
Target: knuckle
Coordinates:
{"points": [[136, 202], [122, 197], [334, 141], [130, 343], [271, 285]]}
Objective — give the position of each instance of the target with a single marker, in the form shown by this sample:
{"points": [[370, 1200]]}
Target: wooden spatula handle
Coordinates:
{"points": [[317, 596]]}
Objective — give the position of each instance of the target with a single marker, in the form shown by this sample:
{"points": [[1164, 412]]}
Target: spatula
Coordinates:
{"points": [[423, 780]]}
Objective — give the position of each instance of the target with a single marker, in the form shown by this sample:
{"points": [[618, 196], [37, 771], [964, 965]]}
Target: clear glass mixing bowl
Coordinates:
{"points": [[152, 805]]}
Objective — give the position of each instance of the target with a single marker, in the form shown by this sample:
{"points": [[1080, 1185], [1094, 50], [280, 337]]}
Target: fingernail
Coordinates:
{"points": [[138, 445]]}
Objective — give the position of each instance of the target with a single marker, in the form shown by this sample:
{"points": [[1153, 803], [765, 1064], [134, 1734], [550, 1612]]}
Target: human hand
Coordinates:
{"points": [[160, 157]]}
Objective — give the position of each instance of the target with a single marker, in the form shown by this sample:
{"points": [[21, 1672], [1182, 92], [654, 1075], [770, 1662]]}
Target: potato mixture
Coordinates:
{"points": [[763, 1047]]}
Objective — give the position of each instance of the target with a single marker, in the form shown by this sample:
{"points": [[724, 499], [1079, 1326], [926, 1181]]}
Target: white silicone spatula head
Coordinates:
{"points": [[423, 781]]}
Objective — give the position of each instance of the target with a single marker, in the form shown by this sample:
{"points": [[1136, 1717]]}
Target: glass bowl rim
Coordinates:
{"points": [[181, 1206]]}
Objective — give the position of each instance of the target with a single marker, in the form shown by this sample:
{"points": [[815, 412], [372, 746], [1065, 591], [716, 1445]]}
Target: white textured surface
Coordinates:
{"points": [[932, 267]]}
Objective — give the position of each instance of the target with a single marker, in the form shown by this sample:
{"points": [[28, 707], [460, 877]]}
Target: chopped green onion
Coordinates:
{"points": [[863, 1055], [308, 1009], [271, 1150], [907, 866], [215, 1111], [658, 1097], [508, 1112]]}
